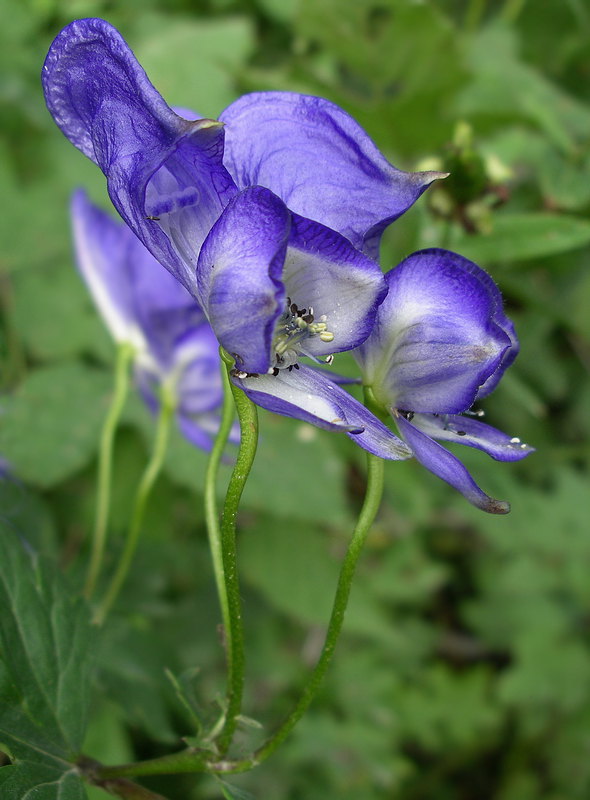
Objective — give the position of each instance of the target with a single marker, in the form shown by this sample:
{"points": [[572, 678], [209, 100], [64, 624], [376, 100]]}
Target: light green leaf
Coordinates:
{"points": [[45, 639], [50, 427], [192, 64], [521, 236], [43, 296], [503, 85], [234, 792]]}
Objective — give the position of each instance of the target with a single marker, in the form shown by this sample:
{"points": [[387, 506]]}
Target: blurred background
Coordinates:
{"points": [[464, 671]]}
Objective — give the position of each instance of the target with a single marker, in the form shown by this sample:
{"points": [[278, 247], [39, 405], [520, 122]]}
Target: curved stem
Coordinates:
{"points": [[194, 761], [211, 511], [371, 504], [248, 417], [105, 459], [145, 486]]}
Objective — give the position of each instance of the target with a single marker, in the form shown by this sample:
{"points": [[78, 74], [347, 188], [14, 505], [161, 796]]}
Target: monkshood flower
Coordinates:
{"points": [[441, 341], [142, 305], [270, 217]]}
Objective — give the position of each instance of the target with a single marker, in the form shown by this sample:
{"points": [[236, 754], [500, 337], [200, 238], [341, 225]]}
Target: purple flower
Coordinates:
{"points": [[145, 307], [271, 217], [441, 341]]}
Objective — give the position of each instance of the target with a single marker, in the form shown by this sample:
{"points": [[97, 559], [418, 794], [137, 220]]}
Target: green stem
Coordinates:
{"points": [[234, 634], [192, 760], [474, 14], [375, 470], [148, 478], [105, 463], [511, 10], [211, 511]]}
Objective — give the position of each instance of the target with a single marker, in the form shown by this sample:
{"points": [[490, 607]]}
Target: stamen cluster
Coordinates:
{"points": [[293, 327]]}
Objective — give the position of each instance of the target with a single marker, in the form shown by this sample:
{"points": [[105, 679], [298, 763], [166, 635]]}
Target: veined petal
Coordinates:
{"points": [[471, 432], [139, 300], [324, 271], [309, 396], [156, 163], [239, 275], [444, 465], [196, 360], [100, 245], [320, 162], [436, 340]]}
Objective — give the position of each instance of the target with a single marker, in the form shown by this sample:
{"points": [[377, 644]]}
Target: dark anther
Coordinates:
{"points": [[409, 415], [308, 318], [461, 433], [275, 371], [295, 366], [293, 308]]}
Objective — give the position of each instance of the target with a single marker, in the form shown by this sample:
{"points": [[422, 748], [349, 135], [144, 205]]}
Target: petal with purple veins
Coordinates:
{"points": [[471, 432], [436, 339], [444, 465], [324, 271], [157, 164], [239, 275], [320, 162], [309, 396]]}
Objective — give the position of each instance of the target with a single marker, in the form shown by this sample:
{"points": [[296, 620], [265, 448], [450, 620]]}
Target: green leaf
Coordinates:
{"points": [[292, 567], [45, 639], [206, 55], [521, 236], [51, 426], [234, 792], [42, 296], [502, 85]]}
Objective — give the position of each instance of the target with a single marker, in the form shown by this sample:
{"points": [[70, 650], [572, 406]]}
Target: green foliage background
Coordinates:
{"points": [[464, 671]]}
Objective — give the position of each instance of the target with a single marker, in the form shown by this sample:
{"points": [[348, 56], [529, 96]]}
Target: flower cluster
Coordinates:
{"points": [[271, 219]]}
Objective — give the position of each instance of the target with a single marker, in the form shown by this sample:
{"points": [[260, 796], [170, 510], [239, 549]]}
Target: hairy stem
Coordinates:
{"points": [[211, 510], [248, 417], [193, 760], [369, 510]]}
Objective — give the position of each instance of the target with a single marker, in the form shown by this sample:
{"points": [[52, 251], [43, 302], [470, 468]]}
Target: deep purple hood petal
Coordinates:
{"points": [[157, 164], [444, 465], [320, 162], [307, 395], [439, 336]]}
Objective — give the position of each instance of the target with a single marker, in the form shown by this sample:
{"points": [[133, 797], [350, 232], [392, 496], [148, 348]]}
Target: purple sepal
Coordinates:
{"points": [[140, 302], [306, 395], [324, 271], [471, 432], [320, 162], [440, 335], [444, 465], [239, 275]]}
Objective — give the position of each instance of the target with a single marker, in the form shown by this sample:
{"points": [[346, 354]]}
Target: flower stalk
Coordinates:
{"points": [[124, 357], [152, 470], [234, 633], [193, 760]]}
